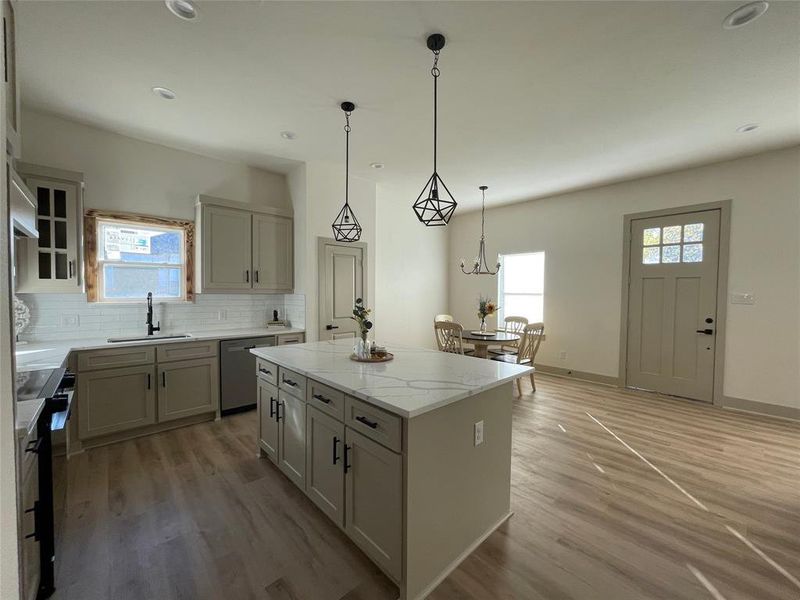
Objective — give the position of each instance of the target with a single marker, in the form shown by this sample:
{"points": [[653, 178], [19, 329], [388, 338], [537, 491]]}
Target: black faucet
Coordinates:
{"points": [[149, 322]]}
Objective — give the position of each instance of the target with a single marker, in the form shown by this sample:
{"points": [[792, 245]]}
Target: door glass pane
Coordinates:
{"points": [[672, 235], [134, 282], [61, 266], [693, 232], [44, 265], [60, 203], [652, 236], [671, 254], [693, 253], [61, 234], [650, 256], [44, 233], [43, 201]]}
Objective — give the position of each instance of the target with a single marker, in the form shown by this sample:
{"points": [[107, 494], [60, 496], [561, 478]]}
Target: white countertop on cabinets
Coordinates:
{"points": [[418, 380]]}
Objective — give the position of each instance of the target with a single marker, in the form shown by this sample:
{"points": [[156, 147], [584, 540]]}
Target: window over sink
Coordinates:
{"points": [[131, 255]]}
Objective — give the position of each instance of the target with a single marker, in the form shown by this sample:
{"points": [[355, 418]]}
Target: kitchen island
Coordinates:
{"points": [[410, 458]]}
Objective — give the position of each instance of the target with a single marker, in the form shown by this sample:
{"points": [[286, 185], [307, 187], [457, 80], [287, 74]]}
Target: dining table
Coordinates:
{"points": [[482, 341]]}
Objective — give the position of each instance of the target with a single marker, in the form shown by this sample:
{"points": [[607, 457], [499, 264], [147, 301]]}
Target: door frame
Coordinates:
{"points": [[724, 206], [321, 243]]}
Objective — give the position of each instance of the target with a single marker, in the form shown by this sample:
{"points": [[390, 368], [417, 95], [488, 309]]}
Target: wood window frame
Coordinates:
{"points": [[90, 218]]}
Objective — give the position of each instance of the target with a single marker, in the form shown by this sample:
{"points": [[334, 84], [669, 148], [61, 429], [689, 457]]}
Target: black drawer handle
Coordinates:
{"points": [[272, 410], [264, 371], [347, 465], [321, 398], [335, 444], [35, 510], [34, 445], [289, 382], [367, 422]]}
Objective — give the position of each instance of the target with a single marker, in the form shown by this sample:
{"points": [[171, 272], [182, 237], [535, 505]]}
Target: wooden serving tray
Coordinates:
{"points": [[389, 356]]}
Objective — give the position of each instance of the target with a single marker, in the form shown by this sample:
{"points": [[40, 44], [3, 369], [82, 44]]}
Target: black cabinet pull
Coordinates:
{"points": [[272, 410], [321, 398], [247, 276], [264, 371], [335, 443], [256, 274], [248, 347], [278, 416], [367, 422], [163, 379], [148, 381], [289, 382], [347, 465], [35, 510], [34, 445]]}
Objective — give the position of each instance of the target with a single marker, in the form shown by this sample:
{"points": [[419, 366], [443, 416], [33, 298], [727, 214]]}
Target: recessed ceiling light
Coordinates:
{"points": [[747, 128], [183, 9], [377, 165], [165, 93], [288, 135], [745, 14]]}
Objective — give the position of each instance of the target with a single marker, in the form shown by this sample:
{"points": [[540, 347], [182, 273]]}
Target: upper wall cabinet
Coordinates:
{"points": [[54, 261], [13, 144], [241, 249]]}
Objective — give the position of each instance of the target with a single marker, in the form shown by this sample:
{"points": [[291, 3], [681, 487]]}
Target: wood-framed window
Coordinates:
{"points": [[128, 255]]}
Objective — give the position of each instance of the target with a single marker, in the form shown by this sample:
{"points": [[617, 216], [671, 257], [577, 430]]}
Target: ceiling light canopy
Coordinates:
{"points": [[183, 9], [745, 14], [346, 227], [435, 206], [165, 93]]}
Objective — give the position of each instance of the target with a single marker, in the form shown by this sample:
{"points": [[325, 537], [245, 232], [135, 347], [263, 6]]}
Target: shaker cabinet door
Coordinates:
{"points": [[116, 400], [292, 438], [324, 473], [273, 250], [267, 421], [226, 262], [187, 387]]}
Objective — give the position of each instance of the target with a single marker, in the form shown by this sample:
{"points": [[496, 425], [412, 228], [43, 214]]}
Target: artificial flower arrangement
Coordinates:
{"points": [[486, 307], [361, 316]]}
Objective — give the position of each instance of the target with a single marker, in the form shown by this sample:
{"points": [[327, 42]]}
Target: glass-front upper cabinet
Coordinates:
{"points": [[53, 262]]}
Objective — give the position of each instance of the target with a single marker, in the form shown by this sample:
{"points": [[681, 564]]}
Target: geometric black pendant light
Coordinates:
{"points": [[435, 204], [346, 227]]}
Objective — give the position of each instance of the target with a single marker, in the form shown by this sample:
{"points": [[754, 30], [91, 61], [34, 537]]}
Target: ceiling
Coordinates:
{"points": [[536, 98]]}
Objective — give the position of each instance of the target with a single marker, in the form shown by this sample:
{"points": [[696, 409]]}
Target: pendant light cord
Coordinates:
{"points": [[435, 72], [347, 159]]}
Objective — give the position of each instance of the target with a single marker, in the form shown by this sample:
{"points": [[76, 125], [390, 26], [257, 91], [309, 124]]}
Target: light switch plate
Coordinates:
{"points": [[478, 433], [742, 298], [70, 320]]}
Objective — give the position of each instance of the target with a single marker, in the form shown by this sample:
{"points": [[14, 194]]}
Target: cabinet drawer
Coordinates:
{"points": [[291, 338], [292, 383], [130, 356], [186, 350], [326, 399], [267, 371], [375, 423]]}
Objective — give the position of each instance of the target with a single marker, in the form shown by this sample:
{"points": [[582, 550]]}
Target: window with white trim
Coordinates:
{"points": [[134, 258], [520, 287]]}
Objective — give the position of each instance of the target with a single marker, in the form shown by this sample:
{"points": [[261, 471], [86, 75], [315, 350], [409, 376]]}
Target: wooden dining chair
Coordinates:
{"points": [[448, 336], [514, 325], [526, 352]]}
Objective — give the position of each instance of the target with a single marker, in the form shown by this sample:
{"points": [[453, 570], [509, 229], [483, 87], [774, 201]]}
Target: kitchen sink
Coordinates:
{"points": [[145, 338]]}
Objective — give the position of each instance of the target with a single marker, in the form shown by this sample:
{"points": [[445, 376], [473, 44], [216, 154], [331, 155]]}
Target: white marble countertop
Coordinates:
{"points": [[51, 355], [415, 382], [28, 412]]}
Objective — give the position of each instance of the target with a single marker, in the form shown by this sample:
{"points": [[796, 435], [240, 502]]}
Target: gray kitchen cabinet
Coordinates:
{"points": [[374, 500], [187, 387], [291, 415], [115, 400], [273, 248], [226, 249], [324, 466], [267, 421]]}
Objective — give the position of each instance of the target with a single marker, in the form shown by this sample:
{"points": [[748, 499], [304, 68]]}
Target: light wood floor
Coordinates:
{"points": [[617, 496]]}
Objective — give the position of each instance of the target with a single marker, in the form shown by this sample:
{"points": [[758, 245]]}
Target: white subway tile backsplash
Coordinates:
{"points": [[67, 316]]}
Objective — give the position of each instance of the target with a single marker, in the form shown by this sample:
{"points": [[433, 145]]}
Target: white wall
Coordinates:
{"points": [[412, 273], [581, 233], [317, 190], [122, 173]]}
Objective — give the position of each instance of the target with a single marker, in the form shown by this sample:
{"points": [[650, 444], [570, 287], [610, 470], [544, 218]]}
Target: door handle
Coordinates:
{"points": [[706, 331], [329, 327], [335, 443]]}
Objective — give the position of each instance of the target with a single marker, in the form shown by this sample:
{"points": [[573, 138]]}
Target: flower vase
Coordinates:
{"points": [[483, 324]]}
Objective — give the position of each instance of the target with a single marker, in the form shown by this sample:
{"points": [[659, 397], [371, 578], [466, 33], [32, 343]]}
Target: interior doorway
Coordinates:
{"points": [[342, 279]]}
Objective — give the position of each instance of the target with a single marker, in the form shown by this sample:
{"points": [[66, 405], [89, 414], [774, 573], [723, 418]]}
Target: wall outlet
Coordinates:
{"points": [[70, 320], [222, 315], [478, 433], [562, 355]]}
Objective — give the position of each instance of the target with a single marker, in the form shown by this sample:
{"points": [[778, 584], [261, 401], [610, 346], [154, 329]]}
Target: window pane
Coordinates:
{"points": [[672, 235], [43, 201], [523, 273], [693, 232], [671, 254], [693, 253], [652, 236], [61, 266], [61, 234], [140, 244], [528, 306], [44, 265], [60, 203], [134, 282], [650, 256], [44, 233]]}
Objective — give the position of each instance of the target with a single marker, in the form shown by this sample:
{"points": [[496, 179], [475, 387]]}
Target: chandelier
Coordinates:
{"points": [[479, 265]]}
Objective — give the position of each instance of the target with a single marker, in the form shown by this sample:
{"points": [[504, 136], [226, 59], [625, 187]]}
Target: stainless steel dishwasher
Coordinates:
{"points": [[238, 373]]}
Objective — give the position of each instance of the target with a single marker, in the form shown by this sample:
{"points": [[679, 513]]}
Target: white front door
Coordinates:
{"points": [[672, 300], [341, 281]]}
